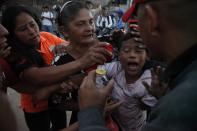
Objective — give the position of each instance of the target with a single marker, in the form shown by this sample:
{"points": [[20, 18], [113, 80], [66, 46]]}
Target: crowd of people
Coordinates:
{"points": [[106, 19], [55, 75]]}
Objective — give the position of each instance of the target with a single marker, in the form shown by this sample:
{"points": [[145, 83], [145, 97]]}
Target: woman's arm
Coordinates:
{"points": [[53, 74]]}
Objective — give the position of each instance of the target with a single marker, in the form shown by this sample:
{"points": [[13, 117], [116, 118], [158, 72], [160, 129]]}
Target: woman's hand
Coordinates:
{"points": [[95, 55], [59, 50], [72, 83], [67, 86]]}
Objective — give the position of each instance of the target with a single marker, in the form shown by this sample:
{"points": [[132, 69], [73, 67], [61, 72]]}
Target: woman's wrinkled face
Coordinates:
{"points": [[81, 29], [27, 30]]}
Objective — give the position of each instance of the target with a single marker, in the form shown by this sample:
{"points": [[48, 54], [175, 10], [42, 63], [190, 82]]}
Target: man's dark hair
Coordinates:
{"points": [[180, 13]]}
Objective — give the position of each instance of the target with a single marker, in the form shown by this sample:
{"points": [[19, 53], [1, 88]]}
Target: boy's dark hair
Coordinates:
{"points": [[9, 22], [128, 36], [69, 11], [116, 39]]}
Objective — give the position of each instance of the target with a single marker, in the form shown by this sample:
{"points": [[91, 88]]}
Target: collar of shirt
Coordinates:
{"points": [[179, 64], [42, 40]]}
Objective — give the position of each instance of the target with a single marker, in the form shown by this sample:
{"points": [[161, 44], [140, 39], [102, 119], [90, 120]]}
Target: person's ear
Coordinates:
{"points": [[152, 20], [63, 31]]}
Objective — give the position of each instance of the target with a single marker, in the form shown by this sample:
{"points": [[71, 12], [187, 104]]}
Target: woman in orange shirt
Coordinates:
{"points": [[33, 68]]}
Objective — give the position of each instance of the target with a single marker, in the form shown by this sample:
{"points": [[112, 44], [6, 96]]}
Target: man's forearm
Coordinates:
{"points": [[91, 119]]}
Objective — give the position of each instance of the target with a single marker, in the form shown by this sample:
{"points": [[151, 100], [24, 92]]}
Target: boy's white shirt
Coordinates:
{"points": [[129, 115], [49, 15]]}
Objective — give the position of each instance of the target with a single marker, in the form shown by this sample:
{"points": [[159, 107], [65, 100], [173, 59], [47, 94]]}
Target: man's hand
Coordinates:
{"points": [[157, 87], [90, 95]]}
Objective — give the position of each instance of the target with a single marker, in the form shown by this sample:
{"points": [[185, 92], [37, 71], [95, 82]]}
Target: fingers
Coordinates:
{"points": [[97, 58], [64, 87], [101, 47], [4, 52], [159, 70], [83, 85], [155, 76], [77, 79], [148, 87], [59, 49], [95, 55], [101, 51], [113, 105], [91, 76], [68, 86], [137, 33]]}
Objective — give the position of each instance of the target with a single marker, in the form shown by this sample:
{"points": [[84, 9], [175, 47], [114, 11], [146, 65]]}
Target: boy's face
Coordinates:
{"points": [[132, 57]]}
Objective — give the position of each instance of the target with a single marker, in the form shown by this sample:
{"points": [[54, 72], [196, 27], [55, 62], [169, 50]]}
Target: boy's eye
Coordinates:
{"points": [[79, 24], [126, 49], [139, 50]]}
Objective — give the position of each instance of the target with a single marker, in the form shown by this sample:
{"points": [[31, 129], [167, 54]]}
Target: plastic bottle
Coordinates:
{"points": [[101, 78]]}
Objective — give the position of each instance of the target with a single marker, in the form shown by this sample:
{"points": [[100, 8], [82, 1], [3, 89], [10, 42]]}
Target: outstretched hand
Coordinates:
{"points": [[90, 95], [157, 88]]}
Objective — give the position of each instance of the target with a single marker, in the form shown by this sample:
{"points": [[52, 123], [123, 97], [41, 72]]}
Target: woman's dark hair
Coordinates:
{"points": [[9, 22], [69, 11], [11, 13]]}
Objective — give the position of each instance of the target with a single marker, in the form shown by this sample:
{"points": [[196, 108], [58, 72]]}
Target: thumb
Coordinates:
{"points": [[83, 83], [109, 87]]}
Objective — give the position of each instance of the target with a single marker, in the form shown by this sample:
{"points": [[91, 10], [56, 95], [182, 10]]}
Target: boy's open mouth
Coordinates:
{"points": [[132, 66]]}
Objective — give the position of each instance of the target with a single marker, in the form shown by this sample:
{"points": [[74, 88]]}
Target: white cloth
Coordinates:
{"points": [[48, 20], [102, 19], [129, 115]]}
